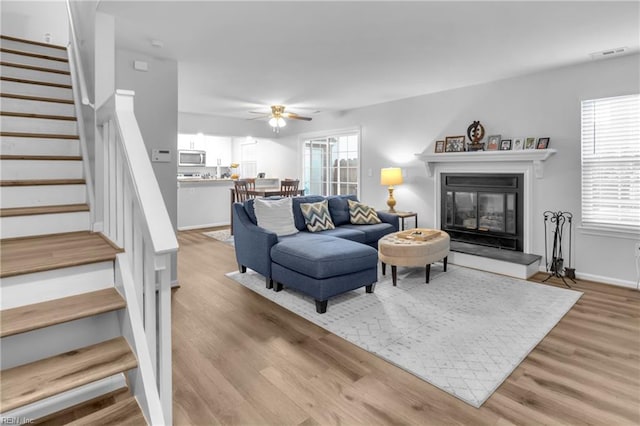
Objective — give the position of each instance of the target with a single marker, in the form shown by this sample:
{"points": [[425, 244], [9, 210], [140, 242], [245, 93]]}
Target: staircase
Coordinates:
{"points": [[66, 340]]}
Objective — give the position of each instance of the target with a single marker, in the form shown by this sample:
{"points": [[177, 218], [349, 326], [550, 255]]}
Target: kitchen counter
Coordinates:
{"points": [[203, 180], [203, 202]]}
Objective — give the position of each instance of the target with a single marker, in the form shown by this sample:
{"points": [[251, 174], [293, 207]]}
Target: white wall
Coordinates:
{"points": [[277, 156], [31, 20], [156, 110], [542, 104]]}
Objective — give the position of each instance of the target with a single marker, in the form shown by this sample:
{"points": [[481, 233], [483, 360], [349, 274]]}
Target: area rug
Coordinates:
{"points": [[464, 332], [223, 235]]}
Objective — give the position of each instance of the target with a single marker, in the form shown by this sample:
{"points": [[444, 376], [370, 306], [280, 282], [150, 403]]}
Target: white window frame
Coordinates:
{"points": [[304, 138], [603, 153]]}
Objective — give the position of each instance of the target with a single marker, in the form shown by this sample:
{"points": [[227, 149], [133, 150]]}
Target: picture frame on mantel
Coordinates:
{"points": [[439, 147], [543, 143], [518, 144], [454, 144], [505, 145], [530, 143], [493, 143]]}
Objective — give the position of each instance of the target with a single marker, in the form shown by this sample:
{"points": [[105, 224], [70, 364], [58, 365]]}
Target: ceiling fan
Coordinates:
{"points": [[277, 117]]}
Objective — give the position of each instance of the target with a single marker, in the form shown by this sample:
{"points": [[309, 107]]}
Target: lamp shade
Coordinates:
{"points": [[391, 176]]}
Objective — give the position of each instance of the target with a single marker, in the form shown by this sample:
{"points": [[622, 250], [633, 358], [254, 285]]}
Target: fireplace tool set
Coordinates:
{"points": [[555, 267]]}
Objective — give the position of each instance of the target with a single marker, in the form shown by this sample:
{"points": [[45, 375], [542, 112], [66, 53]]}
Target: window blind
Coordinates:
{"points": [[611, 163]]}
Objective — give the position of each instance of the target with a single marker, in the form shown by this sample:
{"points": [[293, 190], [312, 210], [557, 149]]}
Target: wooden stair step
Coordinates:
{"points": [[69, 414], [36, 98], [58, 311], [37, 43], [41, 157], [46, 252], [39, 182], [39, 82], [42, 116], [34, 68], [38, 380], [126, 412], [30, 211], [38, 135], [33, 55]]}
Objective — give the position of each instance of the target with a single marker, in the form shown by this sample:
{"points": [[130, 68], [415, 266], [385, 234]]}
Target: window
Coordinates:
{"points": [[611, 163], [332, 164], [248, 160]]}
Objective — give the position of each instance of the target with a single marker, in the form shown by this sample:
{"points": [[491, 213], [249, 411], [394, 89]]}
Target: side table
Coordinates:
{"points": [[403, 216]]}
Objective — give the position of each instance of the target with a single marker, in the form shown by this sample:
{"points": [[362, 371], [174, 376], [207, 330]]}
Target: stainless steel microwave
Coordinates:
{"points": [[192, 158]]}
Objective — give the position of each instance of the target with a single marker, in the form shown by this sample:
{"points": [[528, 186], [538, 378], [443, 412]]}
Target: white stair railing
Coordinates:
{"points": [[135, 218]]}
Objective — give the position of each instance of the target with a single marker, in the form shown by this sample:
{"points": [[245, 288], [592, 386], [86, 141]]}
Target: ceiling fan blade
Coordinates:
{"points": [[260, 112], [295, 116]]}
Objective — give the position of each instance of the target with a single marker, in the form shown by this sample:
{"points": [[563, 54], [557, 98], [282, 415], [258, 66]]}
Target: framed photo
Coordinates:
{"points": [[530, 143], [543, 143], [518, 144], [439, 147], [454, 144], [505, 145], [493, 143]]}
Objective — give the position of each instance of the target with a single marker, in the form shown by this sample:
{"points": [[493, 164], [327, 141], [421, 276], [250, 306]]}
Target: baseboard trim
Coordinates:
{"points": [[66, 399], [600, 279], [206, 225]]}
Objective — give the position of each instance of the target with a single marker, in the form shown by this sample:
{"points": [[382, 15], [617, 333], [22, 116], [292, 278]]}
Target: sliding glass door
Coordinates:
{"points": [[332, 164]]}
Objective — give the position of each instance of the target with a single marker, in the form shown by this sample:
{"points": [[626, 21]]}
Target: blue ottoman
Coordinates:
{"points": [[326, 268]]}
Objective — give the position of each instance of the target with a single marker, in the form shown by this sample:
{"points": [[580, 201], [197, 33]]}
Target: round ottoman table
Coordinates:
{"points": [[414, 247]]}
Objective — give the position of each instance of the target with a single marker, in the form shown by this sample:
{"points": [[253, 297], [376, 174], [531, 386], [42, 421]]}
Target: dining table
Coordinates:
{"points": [[258, 193]]}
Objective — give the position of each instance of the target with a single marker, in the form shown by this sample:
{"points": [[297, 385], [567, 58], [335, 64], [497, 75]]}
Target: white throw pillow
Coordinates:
{"points": [[275, 215]]}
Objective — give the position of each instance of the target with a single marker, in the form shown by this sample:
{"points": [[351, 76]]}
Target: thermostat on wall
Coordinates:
{"points": [[161, 155]]}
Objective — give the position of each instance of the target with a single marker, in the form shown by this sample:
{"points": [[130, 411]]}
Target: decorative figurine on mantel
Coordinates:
{"points": [[475, 132]]}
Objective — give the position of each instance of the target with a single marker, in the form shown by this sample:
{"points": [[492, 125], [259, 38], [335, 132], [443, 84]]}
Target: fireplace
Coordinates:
{"points": [[483, 208]]}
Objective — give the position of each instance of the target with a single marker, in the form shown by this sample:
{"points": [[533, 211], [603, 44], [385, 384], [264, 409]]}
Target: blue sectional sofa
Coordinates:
{"points": [[320, 264]]}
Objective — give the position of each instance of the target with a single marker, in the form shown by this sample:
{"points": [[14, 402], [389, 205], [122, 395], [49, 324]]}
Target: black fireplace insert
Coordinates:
{"points": [[484, 209]]}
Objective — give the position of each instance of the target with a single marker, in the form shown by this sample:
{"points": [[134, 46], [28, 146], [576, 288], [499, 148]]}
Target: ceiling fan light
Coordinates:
{"points": [[273, 122], [281, 122]]}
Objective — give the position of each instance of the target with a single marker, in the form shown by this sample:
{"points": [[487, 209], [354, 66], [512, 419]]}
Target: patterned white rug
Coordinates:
{"points": [[465, 332], [223, 235]]}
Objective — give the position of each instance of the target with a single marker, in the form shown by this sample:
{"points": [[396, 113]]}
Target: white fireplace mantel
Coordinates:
{"points": [[535, 156]]}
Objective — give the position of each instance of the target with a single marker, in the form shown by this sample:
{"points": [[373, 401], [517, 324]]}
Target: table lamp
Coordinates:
{"points": [[391, 176]]}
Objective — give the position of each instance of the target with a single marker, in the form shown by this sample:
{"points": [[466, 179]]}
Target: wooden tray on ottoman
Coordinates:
{"points": [[419, 234]]}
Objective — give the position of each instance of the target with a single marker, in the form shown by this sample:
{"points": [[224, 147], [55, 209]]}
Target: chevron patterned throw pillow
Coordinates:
{"points": [[316, 216], [361, 214]]}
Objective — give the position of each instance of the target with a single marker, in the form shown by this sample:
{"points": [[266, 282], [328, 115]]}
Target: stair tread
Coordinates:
{"points": [[41, 116], [39, 82], [58, 311], [84, 408], [125, 412], [36, 98], [41, 157], [46, 252], [37, 43], [37, 182], [34, 68], [35, 381], [30, 211], [33, 54], [39, 135]]}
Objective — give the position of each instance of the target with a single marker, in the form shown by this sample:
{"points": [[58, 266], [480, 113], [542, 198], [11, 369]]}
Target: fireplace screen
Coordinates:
{"points": [[483, 209]]}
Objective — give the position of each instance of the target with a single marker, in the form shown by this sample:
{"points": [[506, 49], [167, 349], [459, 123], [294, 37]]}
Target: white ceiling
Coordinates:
{"points": [[238, 56]]}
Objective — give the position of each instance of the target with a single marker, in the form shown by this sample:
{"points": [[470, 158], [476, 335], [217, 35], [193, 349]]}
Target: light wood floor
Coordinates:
{"points": [[241, 359]]}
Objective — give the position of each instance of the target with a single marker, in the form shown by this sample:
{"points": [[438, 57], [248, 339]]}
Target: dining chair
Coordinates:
{"points": [[251, 184], [289, 188], [242, 188]]}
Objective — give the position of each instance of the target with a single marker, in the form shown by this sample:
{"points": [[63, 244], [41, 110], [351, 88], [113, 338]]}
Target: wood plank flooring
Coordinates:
{"points": [[241, 359]]}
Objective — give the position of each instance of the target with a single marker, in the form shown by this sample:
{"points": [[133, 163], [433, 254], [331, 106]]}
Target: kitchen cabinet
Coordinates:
{"points": [[218, 151]]}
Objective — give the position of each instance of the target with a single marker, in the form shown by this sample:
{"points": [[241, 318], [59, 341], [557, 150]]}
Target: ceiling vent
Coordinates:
{"points": [[609, 53]]}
